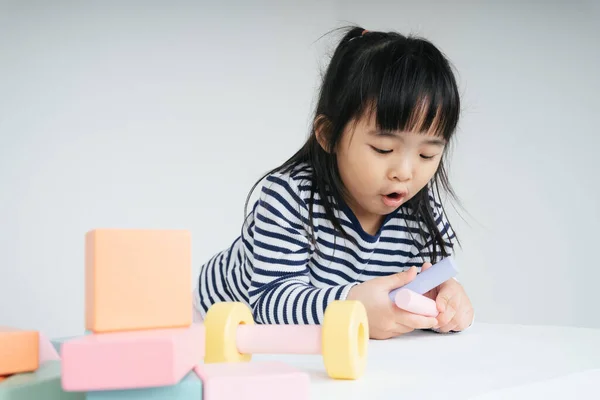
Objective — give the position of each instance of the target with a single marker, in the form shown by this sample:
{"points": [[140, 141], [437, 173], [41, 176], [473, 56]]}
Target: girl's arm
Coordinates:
{"points": [[280, 290]]}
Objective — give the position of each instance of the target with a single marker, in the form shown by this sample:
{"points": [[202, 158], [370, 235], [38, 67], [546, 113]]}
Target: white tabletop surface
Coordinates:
{"points": [[486, 362]]}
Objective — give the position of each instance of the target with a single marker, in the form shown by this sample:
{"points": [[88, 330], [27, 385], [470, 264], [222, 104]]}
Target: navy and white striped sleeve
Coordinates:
{"points": [[280, 290]]}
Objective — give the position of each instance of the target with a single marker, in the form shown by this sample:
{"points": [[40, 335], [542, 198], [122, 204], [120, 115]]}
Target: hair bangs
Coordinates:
{"points": [[410, 91]]}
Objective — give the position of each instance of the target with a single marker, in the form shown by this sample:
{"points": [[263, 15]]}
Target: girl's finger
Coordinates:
{"points": [[400, 329], [445, 317], [464, 319], [425, 266], [452, 326], [451, 305]]}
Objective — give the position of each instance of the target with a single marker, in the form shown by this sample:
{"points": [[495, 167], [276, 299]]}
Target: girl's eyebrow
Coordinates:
{"points": [[396, 135]]}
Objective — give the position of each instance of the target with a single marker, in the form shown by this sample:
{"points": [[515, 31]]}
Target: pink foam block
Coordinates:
{"points": [[47, 350], [266, 380], [416, 303], [130, 360], [279, 339]]}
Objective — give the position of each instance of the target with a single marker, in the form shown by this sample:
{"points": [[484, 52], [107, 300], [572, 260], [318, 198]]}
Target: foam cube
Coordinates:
{"points": [[137, 279], [190, 388], [266, 380], [19, 350], [44, 383], [131, 360]]}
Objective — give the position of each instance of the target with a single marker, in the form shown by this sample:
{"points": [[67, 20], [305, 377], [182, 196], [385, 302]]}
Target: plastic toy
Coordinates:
{"points": [[416, 303], [430, 278], [232, 336]]}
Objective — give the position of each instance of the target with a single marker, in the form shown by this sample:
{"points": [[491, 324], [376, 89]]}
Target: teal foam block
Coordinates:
{"points": [[44, 383], [57, 342], [189, 388]]}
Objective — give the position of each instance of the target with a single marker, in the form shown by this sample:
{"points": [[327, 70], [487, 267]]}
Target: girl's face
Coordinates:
{"points": [[383, 170]]}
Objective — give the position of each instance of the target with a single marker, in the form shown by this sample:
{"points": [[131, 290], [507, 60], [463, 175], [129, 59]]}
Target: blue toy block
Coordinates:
{"points": [[57, 342], [190, 387], [44, 383]]}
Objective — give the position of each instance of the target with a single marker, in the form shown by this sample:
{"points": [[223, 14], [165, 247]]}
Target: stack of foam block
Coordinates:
{"points": [[141, 342], [139, 318]]}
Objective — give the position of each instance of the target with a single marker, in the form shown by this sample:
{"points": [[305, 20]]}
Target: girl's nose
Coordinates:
{"points": [[401, 170]]}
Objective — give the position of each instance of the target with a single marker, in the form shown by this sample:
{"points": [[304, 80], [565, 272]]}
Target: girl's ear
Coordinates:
{"points": [[322, 132]]}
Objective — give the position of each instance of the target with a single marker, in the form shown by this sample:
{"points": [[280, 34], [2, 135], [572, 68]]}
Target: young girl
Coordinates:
{"points": [[356, 211]]}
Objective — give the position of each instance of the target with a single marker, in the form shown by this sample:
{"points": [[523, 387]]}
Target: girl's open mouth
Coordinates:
{"points": [[393, 199]]}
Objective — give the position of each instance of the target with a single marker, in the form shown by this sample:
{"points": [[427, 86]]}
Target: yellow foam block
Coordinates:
{"points": [[137, 279], [19, 351]]}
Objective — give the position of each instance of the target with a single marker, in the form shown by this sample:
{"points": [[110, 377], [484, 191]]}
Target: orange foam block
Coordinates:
{"points": [[131, 360], [137, 279], [267, 380], [19, 351]]}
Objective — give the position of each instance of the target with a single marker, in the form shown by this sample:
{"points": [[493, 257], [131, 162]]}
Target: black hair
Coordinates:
{"points": [[409, 85]]}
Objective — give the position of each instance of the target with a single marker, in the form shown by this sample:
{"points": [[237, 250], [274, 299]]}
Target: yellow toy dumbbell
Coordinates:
{"points": [[342, 339]]}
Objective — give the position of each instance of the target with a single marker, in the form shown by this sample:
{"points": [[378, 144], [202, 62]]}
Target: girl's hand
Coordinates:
{"points": [[386, 320], [456, 311]]}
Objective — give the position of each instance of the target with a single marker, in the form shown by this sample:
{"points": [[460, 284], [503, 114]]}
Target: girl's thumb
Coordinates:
{"points": [[399, 279]]}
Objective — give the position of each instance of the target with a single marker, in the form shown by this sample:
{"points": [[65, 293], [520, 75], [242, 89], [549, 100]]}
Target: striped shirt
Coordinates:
{"points": [[274, 268]]}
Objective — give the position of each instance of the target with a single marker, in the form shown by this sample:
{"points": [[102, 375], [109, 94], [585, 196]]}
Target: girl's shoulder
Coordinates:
{"points": [[291, 183], [301, 174], [297, 177]]}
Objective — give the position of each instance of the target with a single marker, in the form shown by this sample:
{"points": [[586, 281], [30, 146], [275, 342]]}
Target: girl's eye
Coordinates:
{"points": [[427, 157], [380, 151]]}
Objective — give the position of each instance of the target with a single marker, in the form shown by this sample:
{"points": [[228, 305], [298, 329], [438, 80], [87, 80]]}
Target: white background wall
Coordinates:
{"points": [[162, 116]]}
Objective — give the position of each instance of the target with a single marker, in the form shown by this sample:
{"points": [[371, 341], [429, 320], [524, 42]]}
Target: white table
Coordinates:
{"points": [[486, 362]]}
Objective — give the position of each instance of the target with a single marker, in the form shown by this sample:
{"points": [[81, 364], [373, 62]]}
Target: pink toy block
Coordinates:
{"points": [[47, 350], [269, 380], [131, 360], [279, 339], [416, 303]]}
